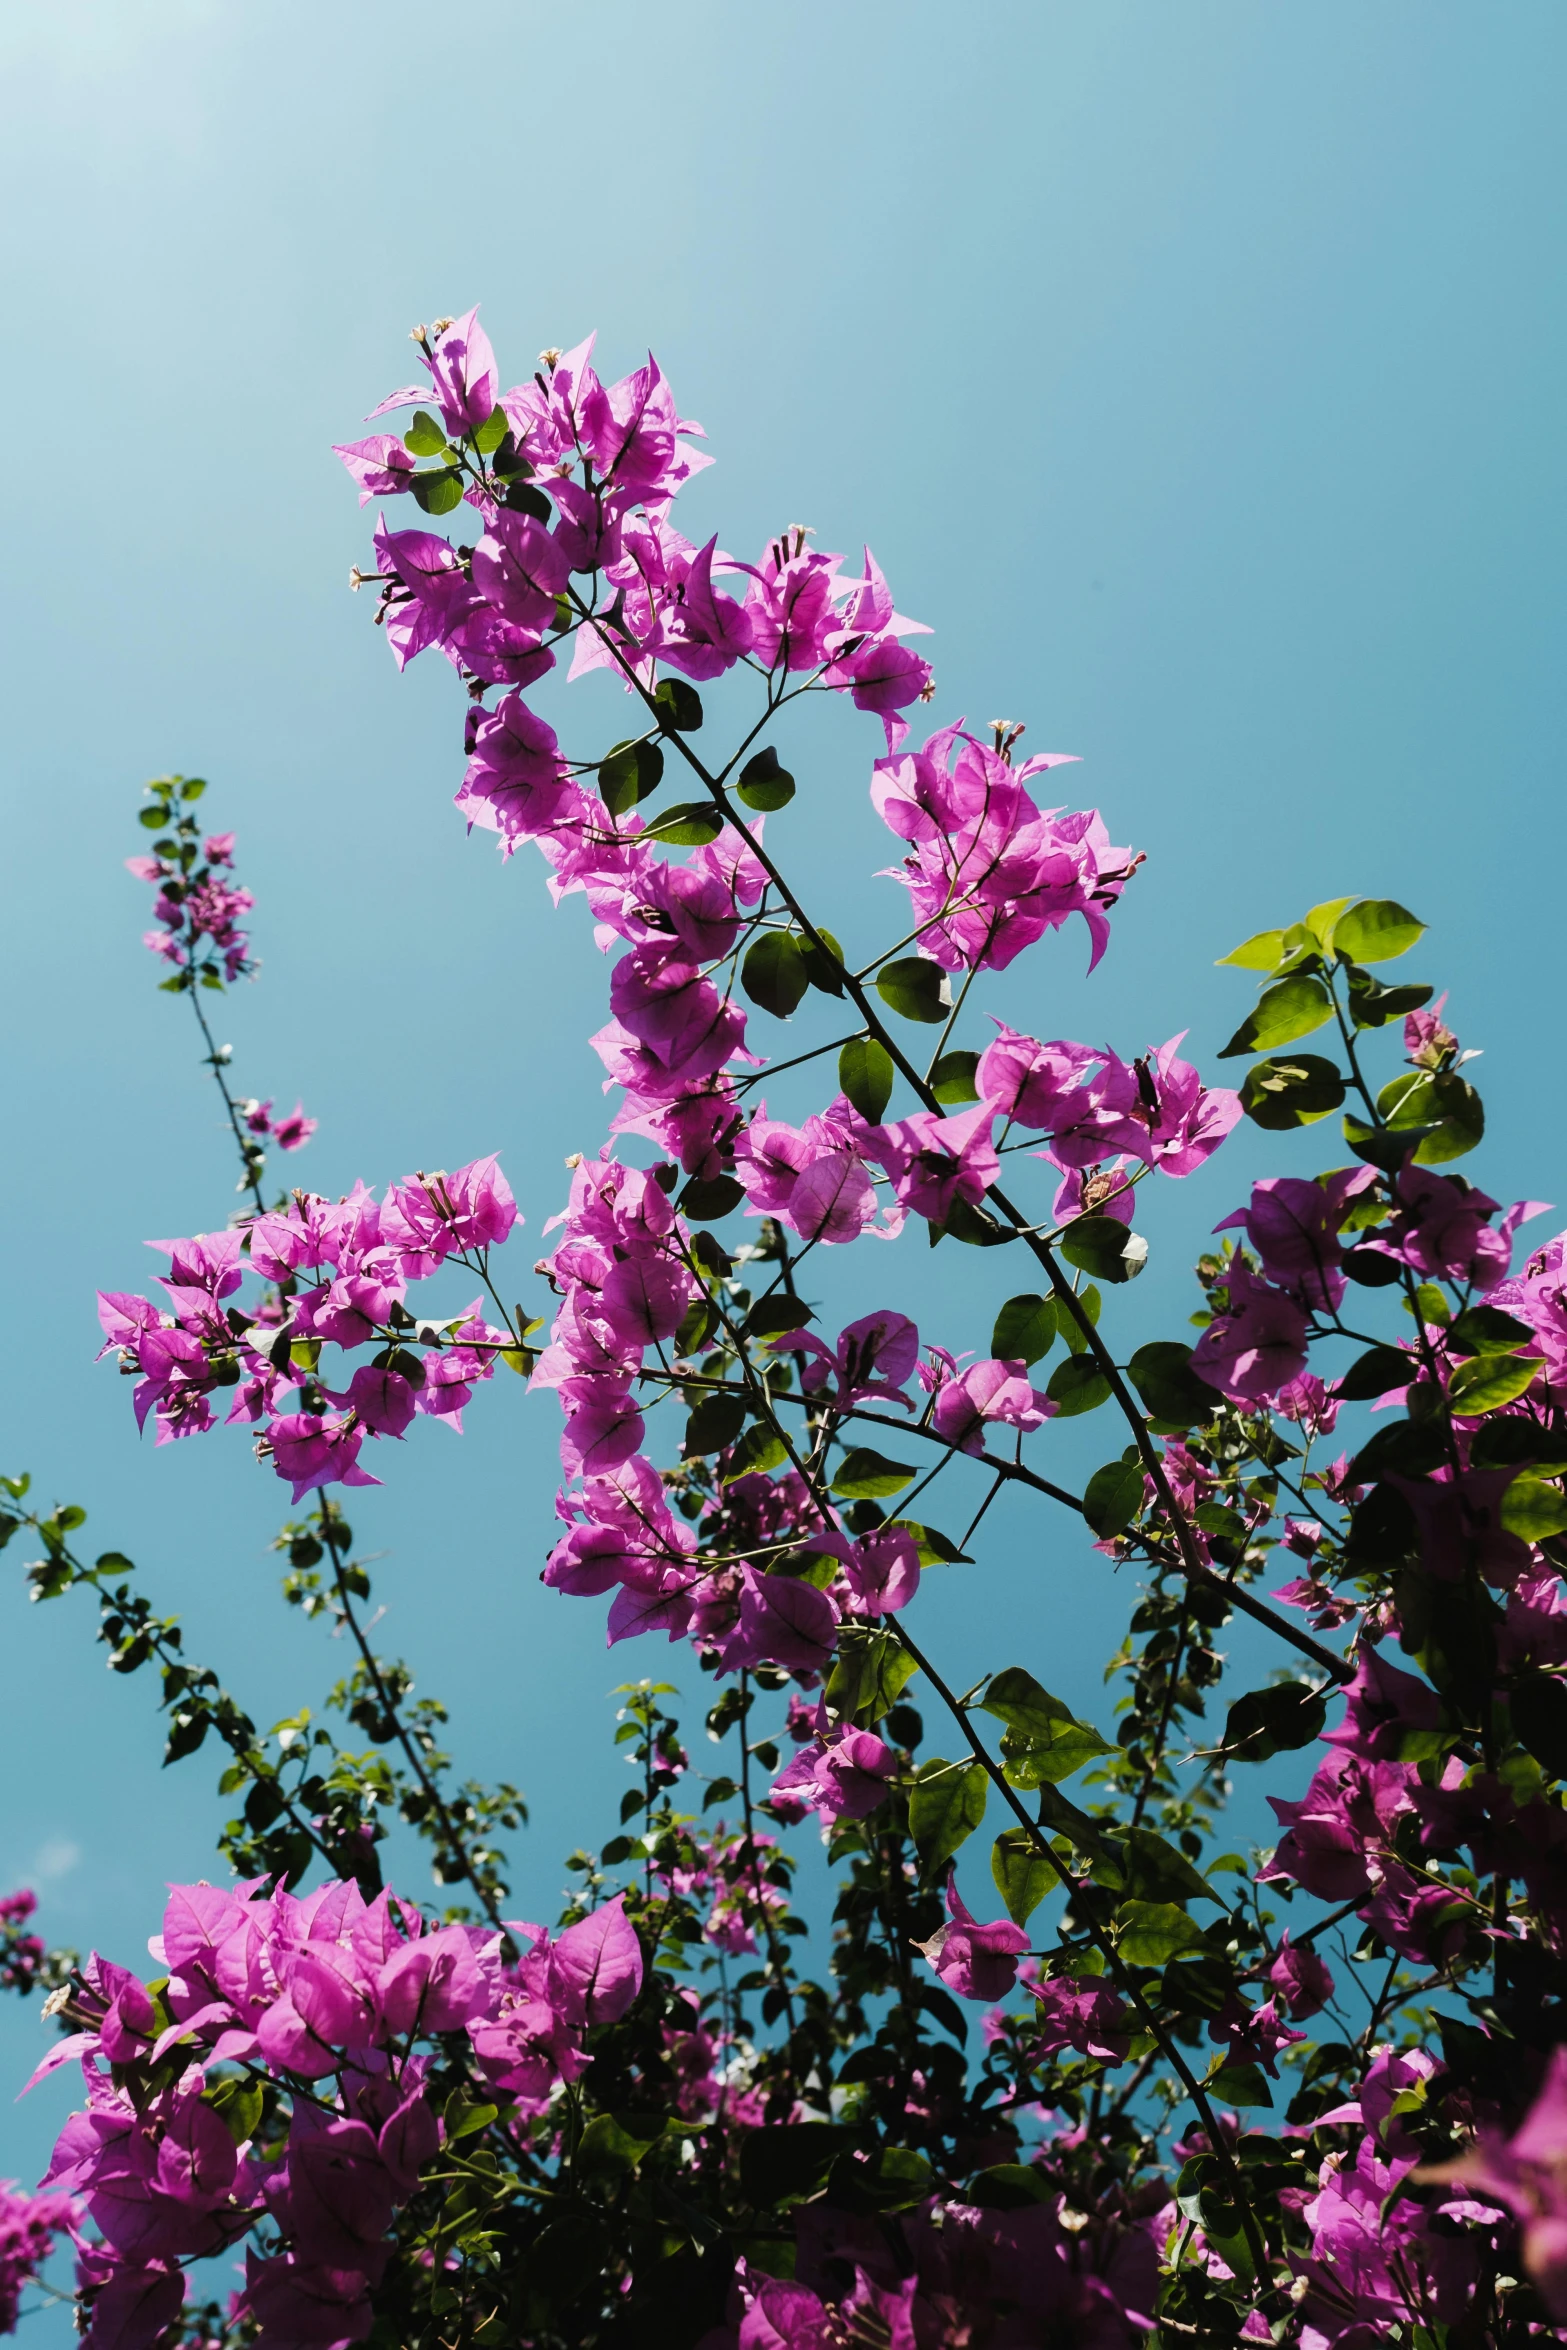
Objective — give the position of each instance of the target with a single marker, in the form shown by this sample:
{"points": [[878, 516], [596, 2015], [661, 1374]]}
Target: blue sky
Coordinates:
{"points": [[1196, 372]]}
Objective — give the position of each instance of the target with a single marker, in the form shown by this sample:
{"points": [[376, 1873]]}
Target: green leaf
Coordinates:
{"points": [[783, 2162], [1072, 1337], [1533, 1509], [1149, 1932], [1239, 2084], [1044, 1741], [706, 1199], [824, 964], [489, 435], [616, 2142], [1155, 1871], [1171, 1390], [1376, 931], [952, 1078], [1377, 1373], [424, 437], [154, 819], [629, 773], [1539, 1710], [437, 493], [771, 1316], [935, 1548], [1113, 1497], [946, 1805], [697, 1325], [1259, 953], [462, 2119], [864, 1475], [868, 1676], [1025, 1330], [1294, 1008], [1077, 1385], [865, 1074], [1439, 1110], [691, 824], [773, 973], [916, 989], [1486, 1382], [1322, 921], [763, 784], [1486, 1330], [1372, 1005], [714, 1425], [1023, 1875], [679, 706], [1273, 1721], [1103, 1246], [758, 1450], [1292, 1091]]}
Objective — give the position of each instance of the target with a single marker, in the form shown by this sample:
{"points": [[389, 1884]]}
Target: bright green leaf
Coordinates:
{"points": [[1023, 1875], [1294, 1008], [763, 784], [1259, 953], [952, 1079], [1149, 1932], [864, 1475], [1533, 1509], [424, 437], [916, 988], [1486, 1382], [1376, 931]]}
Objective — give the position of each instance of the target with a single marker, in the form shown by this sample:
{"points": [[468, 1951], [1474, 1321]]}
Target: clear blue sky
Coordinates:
{"points": [[1196, 372]]}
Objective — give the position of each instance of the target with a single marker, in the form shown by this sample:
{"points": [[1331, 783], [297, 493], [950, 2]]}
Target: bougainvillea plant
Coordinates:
{"points": [[1123, 2086]]}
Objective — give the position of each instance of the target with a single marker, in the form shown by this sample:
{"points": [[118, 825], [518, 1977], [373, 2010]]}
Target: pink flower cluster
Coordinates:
{"points": [[324, 1997], [28, 2227], [599, 467], [22, 1953], [290, 1132], [197, 904], [341, 1271]]}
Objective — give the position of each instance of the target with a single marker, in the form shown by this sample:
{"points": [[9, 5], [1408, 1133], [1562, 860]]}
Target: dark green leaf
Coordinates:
{"points": [[706, 1199], [1486, 1330], [1171, 1390], [1239, 2084], [1103, 1246], [946, 1805], [1113, 1497], [771, 1316], [1025, 1330], [153, 818], [679, 706], [864, 1475], [1293, 1008], [1089, 1302], [952, 1078], [764, 784], [1272, 1721], [865, 1074], [437, 493], [916, 989], [1371, 1267], [1401, 1445], [1077, 1385], [1044, 1742], [424, 437], [1376, 931], [867, 1678], [1294, 1090], [1539, 1708], [697, 1325], [1023, 1874], [715, 1423], [1372, 1005], [824, 964], [616, 2142], [773, 973], [1377, 1373], [1149, 1932], [975, 1226], [782, 2163], [935, 1548], [1439, 1112], [628, 774], [690, 824]]}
